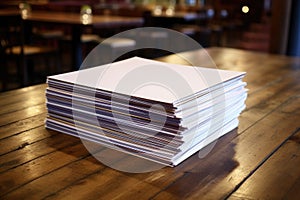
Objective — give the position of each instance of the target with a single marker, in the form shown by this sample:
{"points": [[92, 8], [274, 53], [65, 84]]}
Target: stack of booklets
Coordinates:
{"points": [[154, 110]]}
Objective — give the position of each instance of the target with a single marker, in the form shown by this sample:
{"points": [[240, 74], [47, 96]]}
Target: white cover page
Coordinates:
{"points": [[107, 77]]}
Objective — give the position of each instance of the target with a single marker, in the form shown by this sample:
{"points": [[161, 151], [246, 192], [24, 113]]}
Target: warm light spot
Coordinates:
{"points": [[86, 19], [157, 10], [245, 9], [170, 11]]}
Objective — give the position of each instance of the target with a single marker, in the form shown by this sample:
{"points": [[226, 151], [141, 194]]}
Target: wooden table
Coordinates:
{"points": [[258, 160], [9, 12], [99, 21], [77, 25]]}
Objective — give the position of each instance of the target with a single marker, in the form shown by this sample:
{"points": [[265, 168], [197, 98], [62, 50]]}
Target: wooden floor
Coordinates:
{"points": [[258, 160]]}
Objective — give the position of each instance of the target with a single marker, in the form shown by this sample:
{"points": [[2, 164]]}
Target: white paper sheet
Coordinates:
{"points": [[107, 77]]}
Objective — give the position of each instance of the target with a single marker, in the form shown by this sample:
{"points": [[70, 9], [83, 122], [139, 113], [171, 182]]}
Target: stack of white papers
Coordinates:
{"points": [[158, 111]]}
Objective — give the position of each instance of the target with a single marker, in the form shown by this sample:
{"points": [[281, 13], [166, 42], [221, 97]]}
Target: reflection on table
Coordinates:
{"points": [[258, 160]]}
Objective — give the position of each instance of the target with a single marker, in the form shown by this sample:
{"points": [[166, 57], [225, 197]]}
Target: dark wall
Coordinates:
{"points": [[293, 48]]}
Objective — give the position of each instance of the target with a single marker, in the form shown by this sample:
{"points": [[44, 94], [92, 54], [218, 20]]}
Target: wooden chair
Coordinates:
{"points": [[24, 56]]}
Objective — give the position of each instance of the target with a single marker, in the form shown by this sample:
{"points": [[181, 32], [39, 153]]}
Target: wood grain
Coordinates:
{"points": [[280, 182], [258, 160]]}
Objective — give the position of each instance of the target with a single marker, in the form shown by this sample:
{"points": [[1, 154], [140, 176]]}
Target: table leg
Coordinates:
{"points": [[76, 47]]}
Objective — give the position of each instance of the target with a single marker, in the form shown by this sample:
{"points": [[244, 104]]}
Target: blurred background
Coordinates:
{"points": [[270, 26]]}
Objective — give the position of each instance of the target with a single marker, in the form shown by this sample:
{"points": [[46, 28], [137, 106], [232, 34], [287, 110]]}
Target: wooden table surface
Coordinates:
{"points": [[75, 18], [258, 160], [9, 12]]}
